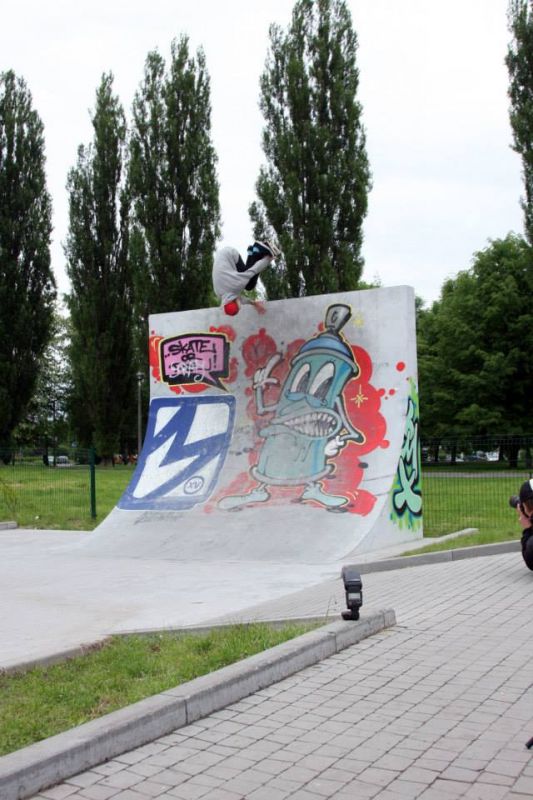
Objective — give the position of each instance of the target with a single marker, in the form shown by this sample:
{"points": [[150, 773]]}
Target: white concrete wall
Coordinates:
{"points": [[271, 438]]}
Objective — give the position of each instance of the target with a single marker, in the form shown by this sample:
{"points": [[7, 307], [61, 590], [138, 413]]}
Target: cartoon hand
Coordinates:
{"points": [[262, 376], [333, 446]]}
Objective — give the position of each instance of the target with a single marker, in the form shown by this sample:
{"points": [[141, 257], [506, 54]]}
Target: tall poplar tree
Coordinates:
{"points": [[27, 286], [312, 193], [100, 302], [520, 65], [172, 174]]}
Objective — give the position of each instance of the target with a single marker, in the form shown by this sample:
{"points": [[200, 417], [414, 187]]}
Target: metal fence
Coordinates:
{"points": [[45, 488], [467, 481], [68, 490], [509, 451], [456, 499]]}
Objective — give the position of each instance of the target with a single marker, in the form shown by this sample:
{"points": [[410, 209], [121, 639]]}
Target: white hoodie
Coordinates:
{"points": [[227, 282]]}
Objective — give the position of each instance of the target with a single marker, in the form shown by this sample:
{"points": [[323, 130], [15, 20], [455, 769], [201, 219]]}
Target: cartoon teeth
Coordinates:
{"points": [[317, 424]]}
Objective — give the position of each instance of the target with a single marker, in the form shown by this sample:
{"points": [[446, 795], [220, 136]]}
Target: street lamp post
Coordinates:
{"points": [[140, 378]]}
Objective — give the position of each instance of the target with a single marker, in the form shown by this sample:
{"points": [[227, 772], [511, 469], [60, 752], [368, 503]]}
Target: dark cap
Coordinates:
{"points": [[526, 492]]}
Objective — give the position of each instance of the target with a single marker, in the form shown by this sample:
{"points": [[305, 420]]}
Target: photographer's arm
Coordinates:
{"points": [[524, 520]]}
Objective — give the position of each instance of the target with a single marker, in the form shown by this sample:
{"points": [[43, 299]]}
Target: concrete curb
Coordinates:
{"points": [[42, 765], [8, 525], [460, 553]]}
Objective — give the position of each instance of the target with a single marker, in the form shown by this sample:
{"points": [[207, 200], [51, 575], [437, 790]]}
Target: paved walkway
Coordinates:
{"points": [[438, 707]]}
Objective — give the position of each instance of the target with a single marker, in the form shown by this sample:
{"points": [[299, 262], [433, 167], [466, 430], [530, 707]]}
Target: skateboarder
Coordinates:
{"points": [[231, 276]]}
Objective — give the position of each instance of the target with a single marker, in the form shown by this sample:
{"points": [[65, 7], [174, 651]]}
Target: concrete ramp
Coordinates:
{"points": [[279, 445], [286, 435]]}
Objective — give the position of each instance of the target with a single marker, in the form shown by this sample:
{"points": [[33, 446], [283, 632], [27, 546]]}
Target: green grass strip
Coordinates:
{"points": [[124, 669], [469, 540]]}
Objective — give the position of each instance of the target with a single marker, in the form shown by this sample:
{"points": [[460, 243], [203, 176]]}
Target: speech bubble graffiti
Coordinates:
{"points": [[195, 358]]}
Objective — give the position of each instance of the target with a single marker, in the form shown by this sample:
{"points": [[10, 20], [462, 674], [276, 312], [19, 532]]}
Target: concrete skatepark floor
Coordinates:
{"points": [[58, 600]]}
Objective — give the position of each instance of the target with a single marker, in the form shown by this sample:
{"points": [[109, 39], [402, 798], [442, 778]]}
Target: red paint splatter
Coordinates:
{"points": [[256, 351], [363, 503], [192, 388], [392, 391], [400, 366], [233, 370], [226, 330], [153, 356]]}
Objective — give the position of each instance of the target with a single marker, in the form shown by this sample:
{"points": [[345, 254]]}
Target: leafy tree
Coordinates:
{"points": [[475, 344], [520, 65], [46, 418], [312, 194], [27, 286], [174, 185], [100, 302]]}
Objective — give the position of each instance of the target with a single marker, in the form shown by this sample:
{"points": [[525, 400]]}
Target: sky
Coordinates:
{"points": [[433, 86]]}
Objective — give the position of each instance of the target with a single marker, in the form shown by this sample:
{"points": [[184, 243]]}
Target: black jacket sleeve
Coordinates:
{"points": [[527, 546]]}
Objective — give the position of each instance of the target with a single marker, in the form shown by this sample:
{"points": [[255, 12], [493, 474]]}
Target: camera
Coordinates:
{"points": [[525, 496]]}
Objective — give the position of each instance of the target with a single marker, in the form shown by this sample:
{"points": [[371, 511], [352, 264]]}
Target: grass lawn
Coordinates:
{"points": [[48, 700], [453, 503], [58, 498], [470, 540]]}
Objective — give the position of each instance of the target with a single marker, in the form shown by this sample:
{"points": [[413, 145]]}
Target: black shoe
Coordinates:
{"points": [[274, 251]]}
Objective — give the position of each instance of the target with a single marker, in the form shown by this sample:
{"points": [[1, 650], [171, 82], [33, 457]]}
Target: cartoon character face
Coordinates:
{"points": [[309, 397]]}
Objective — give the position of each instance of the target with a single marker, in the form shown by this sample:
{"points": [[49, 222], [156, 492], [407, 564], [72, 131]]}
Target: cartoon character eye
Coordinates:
{"points": [[322, 381], [301, 379]]}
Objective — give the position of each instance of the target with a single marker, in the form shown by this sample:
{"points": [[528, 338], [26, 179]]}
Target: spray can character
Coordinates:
{"points": [[310, 424]]}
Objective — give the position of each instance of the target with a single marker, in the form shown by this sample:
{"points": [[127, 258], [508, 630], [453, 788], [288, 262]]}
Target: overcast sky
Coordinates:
{"points": [[433, 86]]}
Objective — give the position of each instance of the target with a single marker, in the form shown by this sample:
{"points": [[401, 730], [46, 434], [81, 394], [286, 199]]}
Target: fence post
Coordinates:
{"points": [[92, 481]]}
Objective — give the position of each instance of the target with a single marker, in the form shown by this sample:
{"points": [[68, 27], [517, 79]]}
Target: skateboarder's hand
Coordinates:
{"points": [[262, 376], [259, 307]]}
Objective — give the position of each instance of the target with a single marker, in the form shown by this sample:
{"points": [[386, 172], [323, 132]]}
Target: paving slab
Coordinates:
{"points": [[40, 766], [440, 705]]}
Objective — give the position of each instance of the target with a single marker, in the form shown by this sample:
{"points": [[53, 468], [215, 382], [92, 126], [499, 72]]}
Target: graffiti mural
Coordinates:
{"points": [[194, 362], [259, 424], [186, 444], [325, 407], [406, 492]]}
